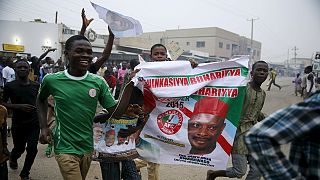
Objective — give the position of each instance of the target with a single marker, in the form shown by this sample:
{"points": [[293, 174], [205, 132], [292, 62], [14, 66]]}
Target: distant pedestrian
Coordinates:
{"points": [[111, 80], [308, 82], [120, 79], [297, 85], [273, 75], [298, 124], [8, 73]]}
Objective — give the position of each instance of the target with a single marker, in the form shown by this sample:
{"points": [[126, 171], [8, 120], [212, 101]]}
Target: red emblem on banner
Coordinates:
{"points": [[170, 122]]}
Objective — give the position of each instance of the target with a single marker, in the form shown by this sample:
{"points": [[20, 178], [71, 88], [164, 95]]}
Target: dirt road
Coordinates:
{"points": [[47, 169]]}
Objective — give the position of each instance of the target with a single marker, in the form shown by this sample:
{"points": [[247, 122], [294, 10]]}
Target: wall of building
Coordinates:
{"points": [[245, 47], [213, 40], [35, 37], [145, 41]]}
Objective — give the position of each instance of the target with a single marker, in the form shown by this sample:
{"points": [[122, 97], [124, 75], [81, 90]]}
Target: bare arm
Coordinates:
{"points": [[120, 108], [106, 52], [45, 135], [85, 22], [46, 53], [124, 101]]}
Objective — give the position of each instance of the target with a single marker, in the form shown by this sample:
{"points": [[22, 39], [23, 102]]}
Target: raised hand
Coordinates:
{"points": [[85, 21], [52, 49]]}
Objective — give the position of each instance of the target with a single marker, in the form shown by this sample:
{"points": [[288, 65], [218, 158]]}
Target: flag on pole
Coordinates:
{"points": [[141, 60]]}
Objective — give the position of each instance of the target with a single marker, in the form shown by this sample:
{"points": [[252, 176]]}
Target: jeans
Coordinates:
{"points": [[22, 136], [111, 170], [239, 169]]}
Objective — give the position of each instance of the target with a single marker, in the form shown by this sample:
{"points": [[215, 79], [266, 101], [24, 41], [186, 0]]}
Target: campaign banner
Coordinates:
{"points": [[193, 112], [121, 26]]}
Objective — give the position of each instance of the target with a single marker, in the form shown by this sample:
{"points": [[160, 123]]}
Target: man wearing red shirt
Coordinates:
{"points": [[111, 80]]}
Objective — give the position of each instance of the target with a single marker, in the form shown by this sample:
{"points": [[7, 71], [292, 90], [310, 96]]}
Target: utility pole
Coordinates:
{"points": [[288, 61], [56, 19], [251, 43], [295, 49]]}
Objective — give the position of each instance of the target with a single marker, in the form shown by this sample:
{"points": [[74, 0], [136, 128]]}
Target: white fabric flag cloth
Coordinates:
{"points": [[121, 26]]}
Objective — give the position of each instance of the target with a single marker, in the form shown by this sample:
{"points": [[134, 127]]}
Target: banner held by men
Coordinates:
{"points": [[193, 113]]}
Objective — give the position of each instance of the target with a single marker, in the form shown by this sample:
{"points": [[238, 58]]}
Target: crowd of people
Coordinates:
{"points": [[76, 86]]}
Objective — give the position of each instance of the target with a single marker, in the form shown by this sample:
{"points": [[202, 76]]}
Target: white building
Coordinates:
{"points": [[34, 38], [29, 38]]}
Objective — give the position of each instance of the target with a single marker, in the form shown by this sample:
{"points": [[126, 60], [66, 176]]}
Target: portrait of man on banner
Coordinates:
{"points": [[206, 125]]}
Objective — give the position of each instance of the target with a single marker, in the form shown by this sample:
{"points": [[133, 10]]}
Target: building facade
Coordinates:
{"points": [[19, 38], [28, 38], [217, 42]]}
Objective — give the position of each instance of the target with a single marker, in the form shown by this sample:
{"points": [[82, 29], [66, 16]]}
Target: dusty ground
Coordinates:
{"points": [[46, 168]]}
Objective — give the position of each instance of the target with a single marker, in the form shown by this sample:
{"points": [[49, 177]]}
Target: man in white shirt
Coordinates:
{"points": [[8, 73]]}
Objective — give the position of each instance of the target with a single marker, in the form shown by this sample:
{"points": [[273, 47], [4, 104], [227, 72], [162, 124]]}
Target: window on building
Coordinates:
{"points": [[258, 53], [228, 46], [188, 43], [220, 44], [201, 44], [254, 52]]}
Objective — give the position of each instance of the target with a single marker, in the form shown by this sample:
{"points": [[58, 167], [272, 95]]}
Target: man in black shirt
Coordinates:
{"points": [[25, 124]]}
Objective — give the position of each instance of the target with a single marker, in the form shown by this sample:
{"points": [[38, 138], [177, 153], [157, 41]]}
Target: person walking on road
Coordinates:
{"points": [[297, 85], [273, 75]]}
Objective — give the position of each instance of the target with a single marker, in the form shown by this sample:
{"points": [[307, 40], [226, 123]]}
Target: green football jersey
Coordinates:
{"points": [[75, 106]]}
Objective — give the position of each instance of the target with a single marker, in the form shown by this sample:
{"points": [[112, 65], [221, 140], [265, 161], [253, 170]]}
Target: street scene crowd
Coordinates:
{"points": [[55, 102]]}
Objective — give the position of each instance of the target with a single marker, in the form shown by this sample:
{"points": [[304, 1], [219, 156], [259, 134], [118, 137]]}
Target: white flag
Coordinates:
{"points": [[141, 60], [121, 26]]}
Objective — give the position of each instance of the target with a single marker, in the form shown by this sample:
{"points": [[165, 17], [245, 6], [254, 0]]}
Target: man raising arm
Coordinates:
{"points": [[94, 67]]}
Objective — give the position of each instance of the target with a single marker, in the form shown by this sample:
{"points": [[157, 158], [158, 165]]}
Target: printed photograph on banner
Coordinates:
{"points": [[121, 26], [196, 128], [107, 142]]}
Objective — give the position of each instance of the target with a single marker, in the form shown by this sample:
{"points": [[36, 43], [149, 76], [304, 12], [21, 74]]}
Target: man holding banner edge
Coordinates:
{"points": [[250, 115]]}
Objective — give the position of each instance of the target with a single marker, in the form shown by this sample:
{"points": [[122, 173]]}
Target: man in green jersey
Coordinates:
{"points": [[76, 93]]}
